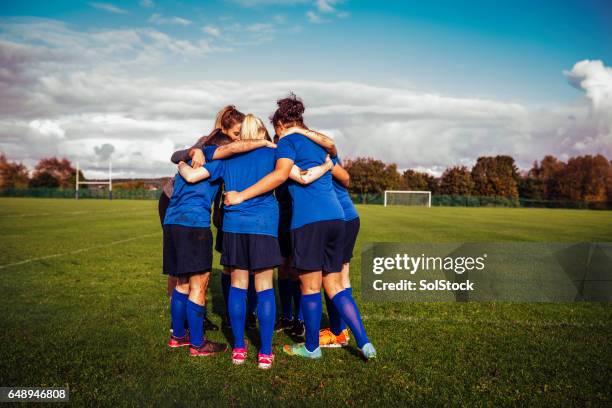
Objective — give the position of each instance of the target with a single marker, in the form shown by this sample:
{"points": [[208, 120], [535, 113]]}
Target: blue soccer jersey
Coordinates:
{"points": [[316, 201], [259, 215], [190, 202], [350, 212], [209, 152]]}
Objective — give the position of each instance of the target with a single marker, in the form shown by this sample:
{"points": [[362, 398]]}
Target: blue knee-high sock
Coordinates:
{"points": [[336, 324], [266, 313], [237, 314], [226, 282], [285, 294], [251, 296], [178, 311], [350, 292], [345, 304], [296, 294], [311, 309], [195, 316]]}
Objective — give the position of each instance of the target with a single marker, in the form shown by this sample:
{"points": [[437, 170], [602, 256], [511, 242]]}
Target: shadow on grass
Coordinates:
{"points": [[217, 307]]}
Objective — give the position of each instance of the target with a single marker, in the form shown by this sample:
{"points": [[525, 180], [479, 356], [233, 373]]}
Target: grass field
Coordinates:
{"points": [[83, 305]]}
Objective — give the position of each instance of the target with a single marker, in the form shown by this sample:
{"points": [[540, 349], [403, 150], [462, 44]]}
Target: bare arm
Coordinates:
{"points": [[240, 146], [274, 179], [186, 154], [319, 138], [192, 175], [312, 174], [340, 174], [180, 156]]}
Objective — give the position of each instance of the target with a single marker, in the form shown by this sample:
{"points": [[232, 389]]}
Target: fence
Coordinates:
{"points": [[436, 200], [98, 193], [480, 201]]}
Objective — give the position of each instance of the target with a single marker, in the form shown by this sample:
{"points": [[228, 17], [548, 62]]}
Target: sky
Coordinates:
{"points": [[426, 85]]}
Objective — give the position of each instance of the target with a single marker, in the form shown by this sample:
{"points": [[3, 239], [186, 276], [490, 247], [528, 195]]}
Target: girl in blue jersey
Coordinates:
{"points": [[250, 243], [317, 230], [188, 254], [337, 334], [291, 319], [228, 122]]}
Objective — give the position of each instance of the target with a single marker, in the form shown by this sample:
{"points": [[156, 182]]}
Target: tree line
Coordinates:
{"points": [[50, 172], [581, 178]]}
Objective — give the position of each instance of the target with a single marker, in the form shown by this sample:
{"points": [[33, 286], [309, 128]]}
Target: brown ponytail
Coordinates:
{"points": [[225, 119], [228, 117]]}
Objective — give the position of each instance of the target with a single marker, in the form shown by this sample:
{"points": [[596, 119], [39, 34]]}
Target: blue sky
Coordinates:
{"points": [[426, 85], [513, 50]]}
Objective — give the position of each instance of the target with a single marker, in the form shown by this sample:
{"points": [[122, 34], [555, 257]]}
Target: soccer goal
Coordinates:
{"points": [[108, 182], [419, 198]]}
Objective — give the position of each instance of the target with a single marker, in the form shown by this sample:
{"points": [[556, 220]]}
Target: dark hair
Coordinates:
{"points": [[290, 111], [217, 138]]}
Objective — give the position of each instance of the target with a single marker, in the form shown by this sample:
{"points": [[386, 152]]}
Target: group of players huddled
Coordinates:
{"points": [[281, 203]]}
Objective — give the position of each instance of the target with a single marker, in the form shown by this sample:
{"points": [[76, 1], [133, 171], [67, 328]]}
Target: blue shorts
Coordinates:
{"points": [[319, 246], [250, 251], [351, 230], [187, 250]]}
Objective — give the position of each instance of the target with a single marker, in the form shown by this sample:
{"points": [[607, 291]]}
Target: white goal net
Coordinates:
{"points": [[418, 198]]}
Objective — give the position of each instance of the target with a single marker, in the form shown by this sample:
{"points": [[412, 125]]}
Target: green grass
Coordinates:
{"points": [[97, 320]]}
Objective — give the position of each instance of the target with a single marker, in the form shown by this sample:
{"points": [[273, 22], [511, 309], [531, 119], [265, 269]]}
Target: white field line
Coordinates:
{"points": [[77, 251], [69, 213]]}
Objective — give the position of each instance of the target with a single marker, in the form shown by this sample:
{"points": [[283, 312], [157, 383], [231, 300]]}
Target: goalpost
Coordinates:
{"points": [[402, 197], [108, 182]]}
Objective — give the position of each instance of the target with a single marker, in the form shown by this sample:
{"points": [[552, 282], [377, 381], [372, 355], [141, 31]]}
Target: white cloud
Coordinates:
{"points": [[211, 30], [48, 128], [315, 18], [160, 19], [109, 7], [72, 92], [258, 27], [250, 34], [146, 3], [326, 6], [595, 80]]}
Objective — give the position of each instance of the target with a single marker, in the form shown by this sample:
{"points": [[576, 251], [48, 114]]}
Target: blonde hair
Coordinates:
{"points": [[253, 129]]}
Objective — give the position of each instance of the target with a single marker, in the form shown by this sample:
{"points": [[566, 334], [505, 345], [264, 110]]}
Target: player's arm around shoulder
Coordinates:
{"points": [[340, 174], [240, 146], [192, 175], [268, 183], [312, 174]]}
